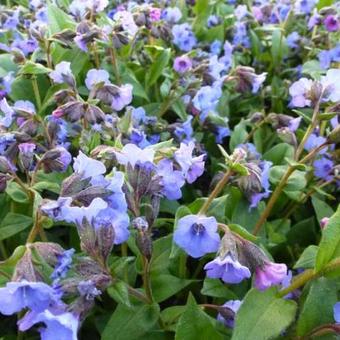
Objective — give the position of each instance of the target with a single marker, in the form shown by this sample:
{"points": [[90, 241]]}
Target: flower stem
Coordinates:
{"points": [[36, 92], [218, 188], [146, 279], [113, 57], [309, 275]]}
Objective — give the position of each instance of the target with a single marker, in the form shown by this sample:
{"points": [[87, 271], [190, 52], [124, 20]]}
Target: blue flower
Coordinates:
{"points": [[94, 77], [117, 199], [221, 133], [63, 74], [61, 326], [132, 154], [206, 99], [336, 311], [293, 39], [119, 220], [323, 168], [88, 290], [184, 38], [197, 235], [228, 269], [315, 141], [234, 306], [8, 118], [171, 180], [171, 14], [87, 167], [184, 131], [325, 59], [63, 265], [192, 167], [36, 296]]}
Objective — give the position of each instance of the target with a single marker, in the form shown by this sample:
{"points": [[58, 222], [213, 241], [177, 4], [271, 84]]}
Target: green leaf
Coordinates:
{"points": [[279, 47], [194, 324], [318, 307], [263, 315], [32, 68], [238, 135], [131, 323], [58, 20], [296, 181], [16, 193], [215, 288], [329, 247], [312, 68], [40, 186], [171, 315], [159, 63], [236, 228], [322, 209], [119, 292], [278, 153], [166, 285], [13, 224], [307, 258]]}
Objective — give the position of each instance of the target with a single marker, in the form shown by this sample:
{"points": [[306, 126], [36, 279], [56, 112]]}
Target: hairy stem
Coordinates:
{"points": [[218, 188]]}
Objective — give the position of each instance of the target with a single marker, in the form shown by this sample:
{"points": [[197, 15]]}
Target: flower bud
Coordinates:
{"points": [[94, 114], [73, 185], [323, 223], [57, 159], [140, 224], [144, 244], [251, 183], [65, 37], [334, 136], [256, 117], [6, 166], [287, 136], [87, 195], [26, 153], [270, 274]]}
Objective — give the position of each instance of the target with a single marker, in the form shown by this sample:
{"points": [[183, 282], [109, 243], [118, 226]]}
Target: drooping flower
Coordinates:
{"points": [[269, 274], [63, 74], [228, 269], [299, 91], [122, 97], [88, 167], [197, 235], [228, 318], [63, 325], [9, 113], [37, 296], [171, 180], [192, 167]]}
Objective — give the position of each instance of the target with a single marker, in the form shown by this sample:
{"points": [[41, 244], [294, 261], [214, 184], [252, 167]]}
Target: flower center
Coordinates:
{"points": [[197, 228]]}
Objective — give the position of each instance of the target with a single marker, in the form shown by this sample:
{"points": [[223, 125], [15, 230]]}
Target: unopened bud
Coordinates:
{"points": [[323, 223], [57, 159], [144, 244], [26, 153]]}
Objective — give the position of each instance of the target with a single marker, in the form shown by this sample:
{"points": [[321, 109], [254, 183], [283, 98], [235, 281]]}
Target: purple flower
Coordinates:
{"points": [[24, 105], [119, 220], [88, 290], [182, 64], [314, 20], [336, 310], [172, 14], [184, 38], [171, 180], [155, 14], [325, 59], [87, 167], [227, 269], [257, 81], [26, 148], [323, 168], [7, 119], [331, 23], [192, 167], [125, 18], [63, 74], [294, 123], [323, 222], [95, 77], [197, 235], [270, 274], [122, 97], [132, 154], [234, 306], [299, 93], [36, 296], [63, 265], [63, 325]]}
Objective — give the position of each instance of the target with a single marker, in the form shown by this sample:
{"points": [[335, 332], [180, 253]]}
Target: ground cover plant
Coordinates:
{"points": [[169, 169]]}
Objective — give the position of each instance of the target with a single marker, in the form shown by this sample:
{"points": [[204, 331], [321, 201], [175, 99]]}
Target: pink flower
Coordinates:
{"points": [[270, 274], [323, 223], [155, 14]]}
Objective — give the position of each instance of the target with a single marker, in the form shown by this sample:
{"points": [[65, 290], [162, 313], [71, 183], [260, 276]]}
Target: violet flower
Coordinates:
{"points": [[229, 320], [182, 64], [269, 274]]}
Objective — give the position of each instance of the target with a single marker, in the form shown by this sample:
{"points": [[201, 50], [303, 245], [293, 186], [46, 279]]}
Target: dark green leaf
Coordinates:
{"points": [[307, 258], [13, 224]]}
